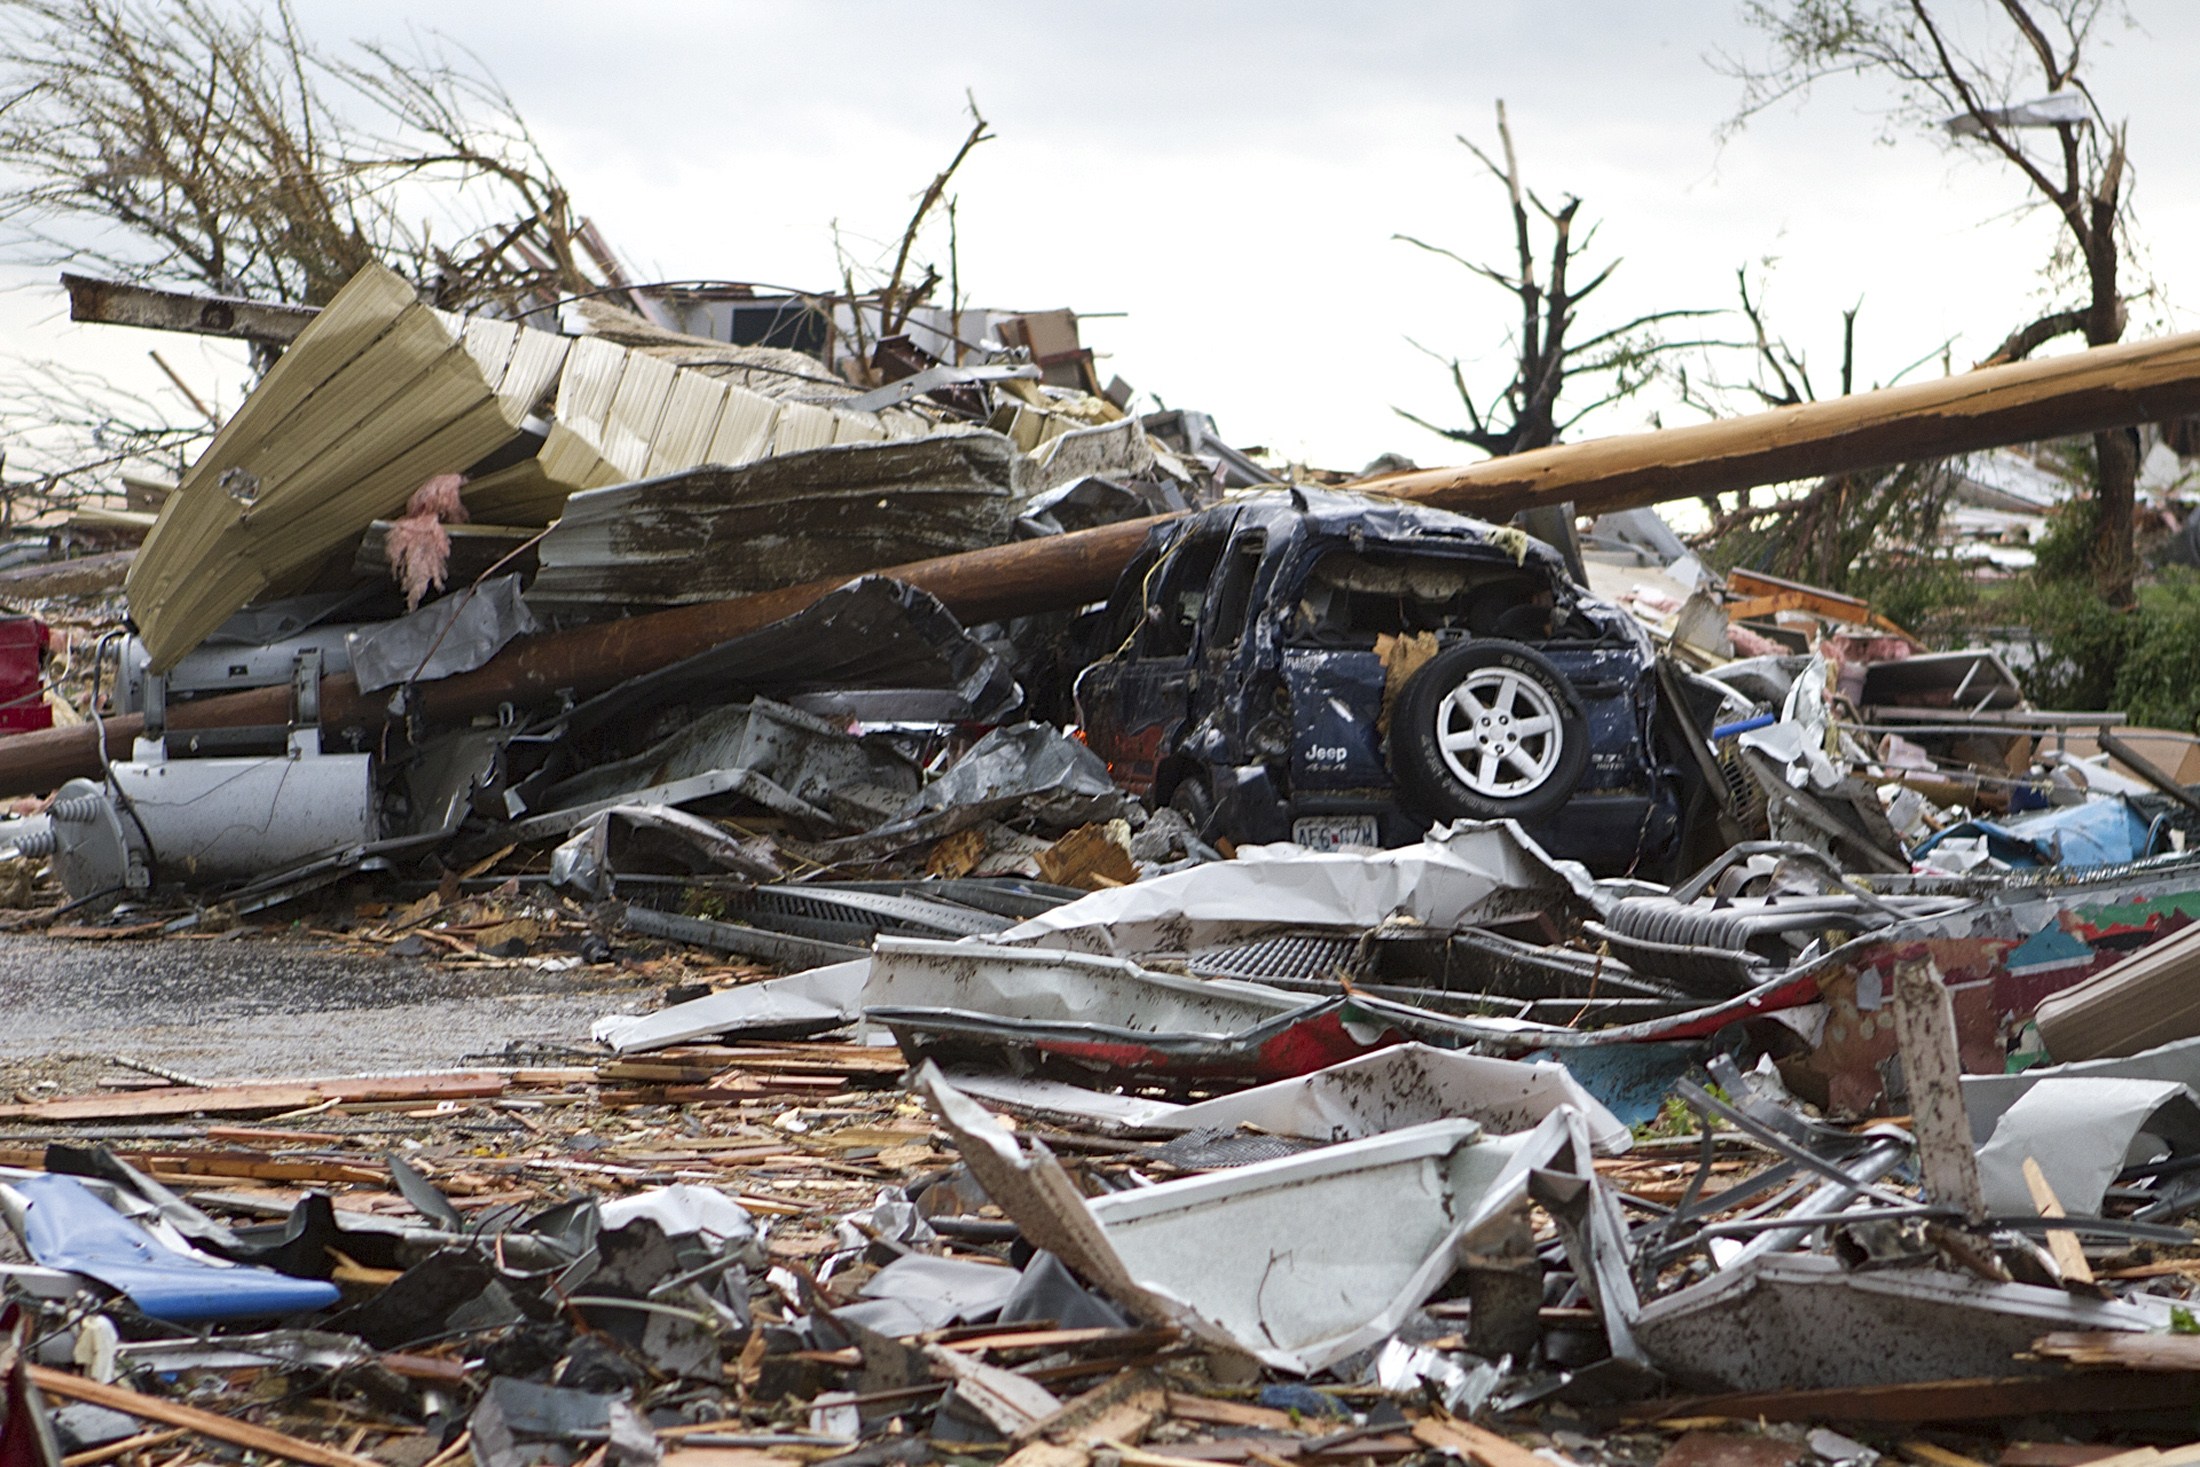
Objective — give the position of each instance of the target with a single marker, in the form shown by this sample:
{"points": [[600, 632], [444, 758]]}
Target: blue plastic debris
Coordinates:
{"points": [[1632, 1080], [2097, 833], [65, 1225], [1303, 1399], [1742, 726]]}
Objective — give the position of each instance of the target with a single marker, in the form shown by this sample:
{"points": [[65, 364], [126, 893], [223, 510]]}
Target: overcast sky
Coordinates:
{"points": [[1230, 176]]}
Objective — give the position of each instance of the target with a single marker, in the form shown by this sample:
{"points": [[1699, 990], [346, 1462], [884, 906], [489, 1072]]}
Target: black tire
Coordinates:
{"points": [[1195, 802], [1496, 771]]}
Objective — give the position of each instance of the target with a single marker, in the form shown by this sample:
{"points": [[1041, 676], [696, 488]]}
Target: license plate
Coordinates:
{"points": [[1335, 832]]}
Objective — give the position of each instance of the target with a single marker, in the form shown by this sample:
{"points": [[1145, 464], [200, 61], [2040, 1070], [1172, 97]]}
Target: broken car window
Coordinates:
{"points": [[1349, 598], [1236, 595], [1186, 575]]}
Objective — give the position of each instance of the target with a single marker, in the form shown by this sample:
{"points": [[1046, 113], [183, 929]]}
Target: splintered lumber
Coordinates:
{"points": [[1212, 1412], [122, 1448], [2124, 1349], [2062, 1244], [1934, 1455], [1477, 1444], [2079, 393], [265, 1098], [197, 1166], [1925, 1028], [191, 1418]]}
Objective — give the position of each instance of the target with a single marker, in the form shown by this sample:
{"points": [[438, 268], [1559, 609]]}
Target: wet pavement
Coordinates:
{"points": [[228, 1009]]}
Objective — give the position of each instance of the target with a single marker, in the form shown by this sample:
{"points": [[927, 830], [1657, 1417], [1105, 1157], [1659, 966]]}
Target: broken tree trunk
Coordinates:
{"points": [[2080, 393]]}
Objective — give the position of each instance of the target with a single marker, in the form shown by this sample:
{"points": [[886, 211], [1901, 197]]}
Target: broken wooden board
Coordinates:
{"points": [[1090, 858], [2150, 1352], [1925, 1026], [257, 1098], [1476, 1444], [196, 1167], [1120, 1409], [204, 1423]]}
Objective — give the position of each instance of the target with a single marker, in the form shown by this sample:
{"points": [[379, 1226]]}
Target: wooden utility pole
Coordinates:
{"points": [[2083, 392], [2023, 402]]}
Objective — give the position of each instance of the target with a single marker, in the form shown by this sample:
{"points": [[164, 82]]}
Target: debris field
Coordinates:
{"points": [[1133, 956]]}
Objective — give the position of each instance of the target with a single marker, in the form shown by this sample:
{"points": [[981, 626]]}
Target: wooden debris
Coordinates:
{"points": [[1014, 1404], [1932, 1454], [191, 1418], [2123, 1349], [1925, 1026], [1091, 857], [1231, 1413], [2062, 1244], [1122, 1409], [266, 1098], [1478, 1445], [129, 1444]]}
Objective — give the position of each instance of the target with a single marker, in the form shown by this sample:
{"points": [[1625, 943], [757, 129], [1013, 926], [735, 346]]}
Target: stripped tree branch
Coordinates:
{"points": [[1547, 354]]}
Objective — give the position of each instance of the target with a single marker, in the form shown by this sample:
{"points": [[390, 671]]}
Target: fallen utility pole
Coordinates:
{"points": [[2084, 392], [2024, 402], [979, 585]]}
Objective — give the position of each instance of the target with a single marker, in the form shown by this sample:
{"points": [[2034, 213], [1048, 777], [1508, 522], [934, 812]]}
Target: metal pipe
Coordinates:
{"points": [[1830, 1200]]}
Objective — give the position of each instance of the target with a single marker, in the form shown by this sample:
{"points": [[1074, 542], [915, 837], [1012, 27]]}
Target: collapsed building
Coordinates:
{"points": [[1730, 1009]]}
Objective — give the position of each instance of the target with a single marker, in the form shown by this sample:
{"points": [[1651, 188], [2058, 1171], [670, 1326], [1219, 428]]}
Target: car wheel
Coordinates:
{"points": [[1488, 730], [1192, 800]]}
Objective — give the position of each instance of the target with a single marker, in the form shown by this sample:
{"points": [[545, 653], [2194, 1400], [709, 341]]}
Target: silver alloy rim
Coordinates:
{"points": [[1499, 733]]}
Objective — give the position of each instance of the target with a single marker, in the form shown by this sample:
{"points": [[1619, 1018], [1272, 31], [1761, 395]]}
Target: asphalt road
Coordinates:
{"points": [[262, 1007]]}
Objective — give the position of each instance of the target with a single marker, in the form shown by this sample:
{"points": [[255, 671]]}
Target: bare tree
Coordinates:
{"points": [[70, 434], [1966, 83], [1845, 532], [897, 295], [211, 146], [1778, 372], [1848, 533], [1548, 351], [204, 145]]}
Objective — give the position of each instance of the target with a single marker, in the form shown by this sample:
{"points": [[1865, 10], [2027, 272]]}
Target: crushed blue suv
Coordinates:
{"points": [[1253, 673]]}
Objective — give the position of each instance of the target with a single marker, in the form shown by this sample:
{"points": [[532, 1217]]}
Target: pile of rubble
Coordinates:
{"points": [[1163, 966]]}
